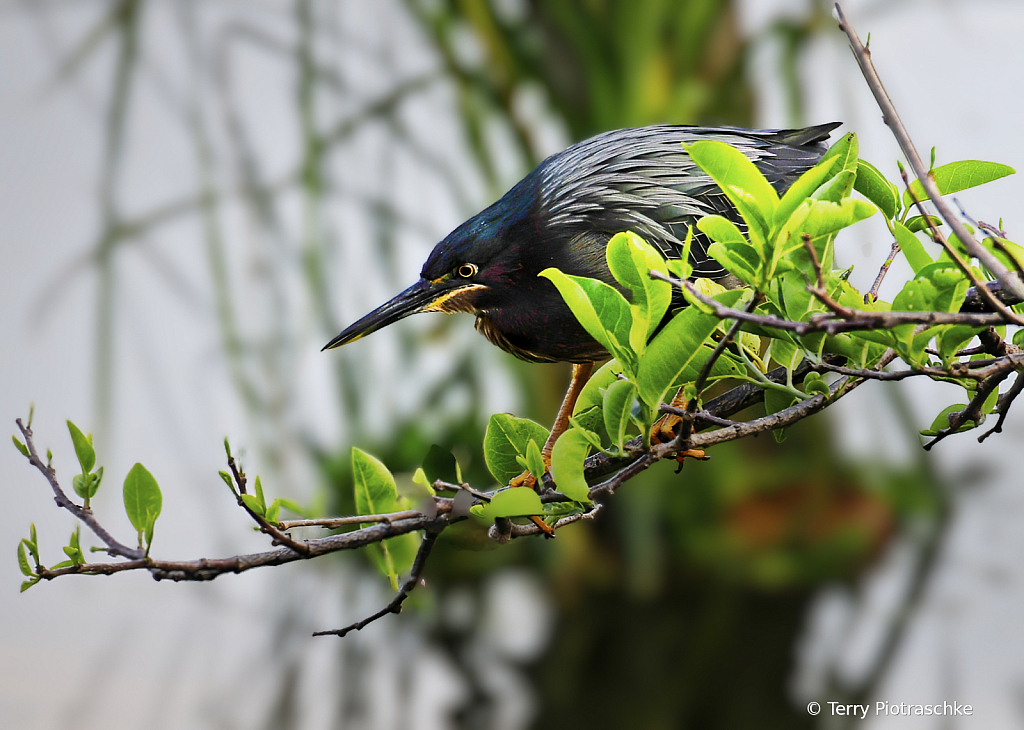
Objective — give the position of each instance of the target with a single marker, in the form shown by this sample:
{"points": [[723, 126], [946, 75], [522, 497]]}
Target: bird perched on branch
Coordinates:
{"points": [[563, 214]]}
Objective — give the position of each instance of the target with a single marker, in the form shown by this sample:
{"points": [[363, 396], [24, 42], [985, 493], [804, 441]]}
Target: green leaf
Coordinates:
{"points": [[681, 267], [786, 354], [957, 176], [955, 337], [838, 188], [602, 311], [273, 515], [21, 447], [775, 401], [419, 478], [798, 301], [295, 508], [520, 502], [150, 527], [941, 422], [83, 448], [86, 485], [922, 223], [74, 550], [874, 186], [26, 569], [260, 497], [950, 285], [826, 217], [592, 436], [375, 489], [814, 383], [591, 419], [33, 544], [567, 459], [618, 403], [912, 248], [631, 259], [1009, 253], [508, 437], [253, 502], [593, 392], [440, 464], [917, 295], [534, 460], [731, 248], [831, 164], [676, 353], [721, 229], [229, 481], [375, 494], [63, 564], [141, 497], [394, 556], [743, 184], [26, 585], [740, 259], [1018, 338]]}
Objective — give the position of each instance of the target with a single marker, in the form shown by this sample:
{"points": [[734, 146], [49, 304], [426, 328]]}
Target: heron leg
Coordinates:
{"points": [[666, 428], [580, 375]]}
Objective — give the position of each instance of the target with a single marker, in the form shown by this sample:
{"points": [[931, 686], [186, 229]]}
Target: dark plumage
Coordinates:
{"points": [[563, 214]]}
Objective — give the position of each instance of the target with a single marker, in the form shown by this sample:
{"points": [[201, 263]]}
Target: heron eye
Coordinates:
{"points": [[466, 270]]}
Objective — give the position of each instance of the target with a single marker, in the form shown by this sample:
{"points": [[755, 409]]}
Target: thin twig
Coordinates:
{"points": [[977, 283], [209, 568], [988, 227], [451, 486], [1010, 281], [854, 320], [1003, 406], [276, 535], [986, 369], [872, 295], [515, 530], [974, 410], [85, 515], [686, 425], [698, 416], [330, 523], [426, 545]]}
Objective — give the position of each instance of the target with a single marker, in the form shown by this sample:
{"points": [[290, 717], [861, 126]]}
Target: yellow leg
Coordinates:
{"points": [[580, 375], [664, 430]]}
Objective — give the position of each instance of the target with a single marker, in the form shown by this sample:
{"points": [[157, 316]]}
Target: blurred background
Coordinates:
{"points": [[196, 196]]}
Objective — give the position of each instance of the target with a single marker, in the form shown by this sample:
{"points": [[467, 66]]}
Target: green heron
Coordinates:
{"points": [[562, 215]]}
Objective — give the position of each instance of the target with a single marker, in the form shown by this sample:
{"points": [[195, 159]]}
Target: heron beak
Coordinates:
{"points": [[423, 296]]}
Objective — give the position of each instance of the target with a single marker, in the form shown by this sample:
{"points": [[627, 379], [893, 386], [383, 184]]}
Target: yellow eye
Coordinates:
{"points": [[466, 270]]}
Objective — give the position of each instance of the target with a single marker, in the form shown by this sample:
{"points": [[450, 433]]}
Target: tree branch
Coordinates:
{"points": [[278, 537], [938, 236], [420, 562], [1003, 406], [1009, 280], [85, 515], [851, 320]]}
